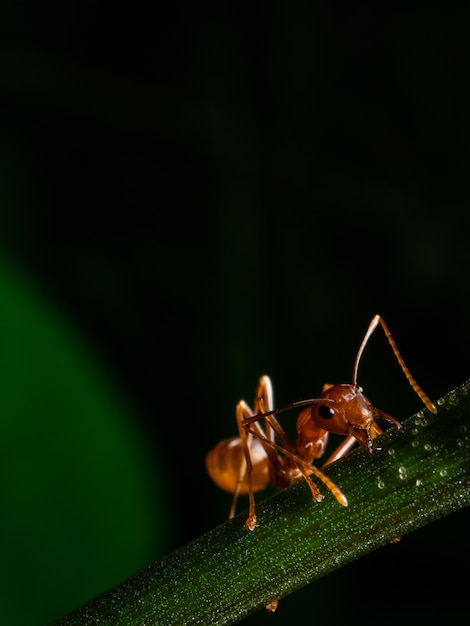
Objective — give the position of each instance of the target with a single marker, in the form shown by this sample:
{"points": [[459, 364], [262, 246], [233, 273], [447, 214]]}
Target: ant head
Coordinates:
{"points": [[344, 410]]}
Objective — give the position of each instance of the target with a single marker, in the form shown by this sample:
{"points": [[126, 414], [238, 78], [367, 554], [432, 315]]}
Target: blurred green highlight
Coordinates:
{"points": [[79, 493]]}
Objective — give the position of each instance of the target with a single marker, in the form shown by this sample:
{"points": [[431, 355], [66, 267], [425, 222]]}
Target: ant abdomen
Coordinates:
{"points": [[226, 466]]}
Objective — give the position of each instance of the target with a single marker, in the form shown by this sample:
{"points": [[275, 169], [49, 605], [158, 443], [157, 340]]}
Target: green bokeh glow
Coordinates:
{"points": [[78, 494]]}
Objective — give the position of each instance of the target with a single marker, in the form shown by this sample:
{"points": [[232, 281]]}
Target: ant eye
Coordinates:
{"points": [[325, 412]]}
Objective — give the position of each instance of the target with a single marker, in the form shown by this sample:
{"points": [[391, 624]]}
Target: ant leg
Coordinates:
{"points": [[272, 606], [305, 469], [246, 469], [263, 400], [341, 450], [236, 493]]}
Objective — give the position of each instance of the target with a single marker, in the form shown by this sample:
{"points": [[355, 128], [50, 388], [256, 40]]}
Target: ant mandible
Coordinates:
{"points": [[248, 463]]}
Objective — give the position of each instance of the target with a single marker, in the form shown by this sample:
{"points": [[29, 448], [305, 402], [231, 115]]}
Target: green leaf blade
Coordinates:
{"points": [[419, 475]]}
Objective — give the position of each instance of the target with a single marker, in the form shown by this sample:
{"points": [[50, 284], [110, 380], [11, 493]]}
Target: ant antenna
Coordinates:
{"points": [[377, 319], [370, 330]]}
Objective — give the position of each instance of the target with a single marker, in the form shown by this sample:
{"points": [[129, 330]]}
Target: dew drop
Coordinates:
{"points": [[418, 482], [441, 401], [443, 473], [381, 484], [414, 443], [391, 451], [402, 472], [453, 401], [427, 447]]}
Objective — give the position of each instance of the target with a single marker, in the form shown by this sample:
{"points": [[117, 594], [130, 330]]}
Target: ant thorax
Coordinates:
{"points": [[311, 439], [285, 475]]}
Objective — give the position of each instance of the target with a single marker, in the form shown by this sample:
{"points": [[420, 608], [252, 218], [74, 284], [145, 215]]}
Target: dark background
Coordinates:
{"points": [[195, 197]]}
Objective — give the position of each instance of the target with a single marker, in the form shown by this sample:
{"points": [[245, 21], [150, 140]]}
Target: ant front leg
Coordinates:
{"points": [[341, 450]]}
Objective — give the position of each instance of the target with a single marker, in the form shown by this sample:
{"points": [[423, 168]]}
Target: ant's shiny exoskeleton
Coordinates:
{"points": [[259, 456]]}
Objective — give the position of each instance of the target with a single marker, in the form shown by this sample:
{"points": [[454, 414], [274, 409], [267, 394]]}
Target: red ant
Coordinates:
{"points": [[248, 463]]}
